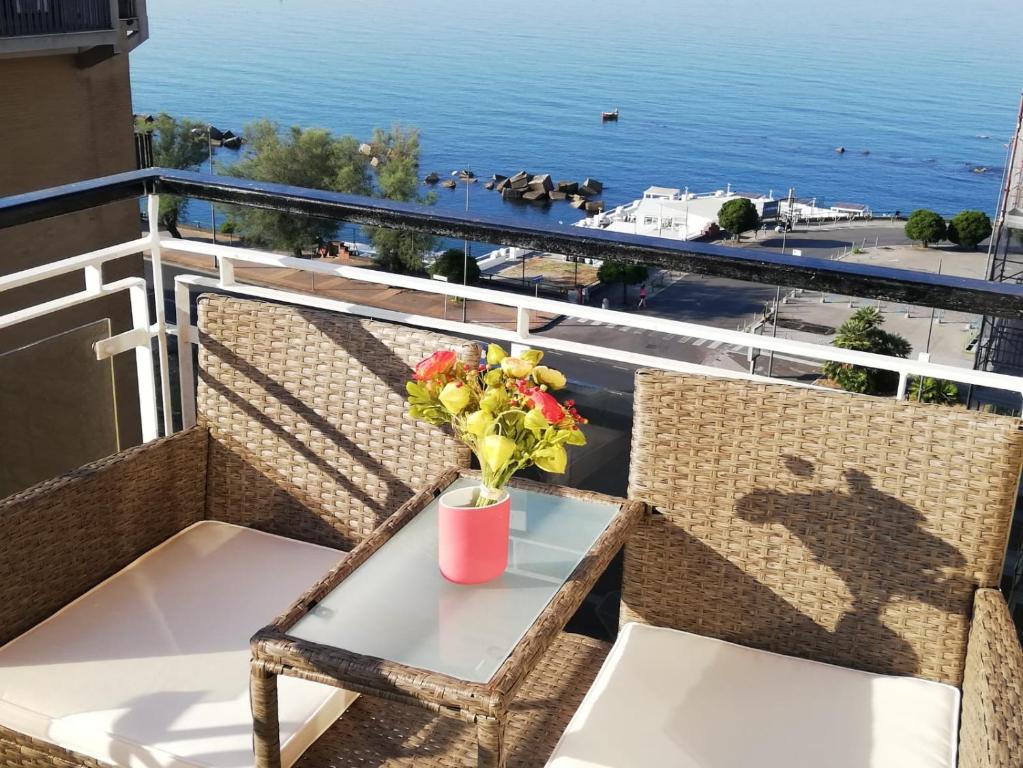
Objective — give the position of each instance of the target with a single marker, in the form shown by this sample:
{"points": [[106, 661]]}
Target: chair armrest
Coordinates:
{"points": [[60, 538], [991, 732]]}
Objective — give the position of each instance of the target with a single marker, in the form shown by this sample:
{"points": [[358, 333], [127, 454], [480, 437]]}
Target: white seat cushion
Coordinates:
{"points": [[151, 667], [665, 697]]}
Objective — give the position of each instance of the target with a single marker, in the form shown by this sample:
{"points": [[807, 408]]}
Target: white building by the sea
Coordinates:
{"points": [[679, 214]]}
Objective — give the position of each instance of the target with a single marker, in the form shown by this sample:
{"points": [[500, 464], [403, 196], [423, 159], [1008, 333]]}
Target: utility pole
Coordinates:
{"points": [[209, 147], [927, 346], [788, 219], [465, 261], [774, 329]]}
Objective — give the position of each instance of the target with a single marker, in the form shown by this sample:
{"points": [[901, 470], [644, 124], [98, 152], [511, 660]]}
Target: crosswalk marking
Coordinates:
{"points": [[699, 342], [715, 344]]}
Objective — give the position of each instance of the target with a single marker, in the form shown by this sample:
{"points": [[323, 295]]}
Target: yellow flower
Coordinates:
{"points": [[455, 396], [495, 354], [552, 378], [516, 367], [533, 356], [552, 459], [493, 400], [478, 422], [494, 378], [496, 450]]}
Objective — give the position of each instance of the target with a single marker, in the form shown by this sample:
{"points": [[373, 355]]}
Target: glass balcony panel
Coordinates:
{"points": [[57, 407]]}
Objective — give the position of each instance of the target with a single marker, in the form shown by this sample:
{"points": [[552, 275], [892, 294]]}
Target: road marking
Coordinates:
{"points": [[715, 344], [699, 342]]}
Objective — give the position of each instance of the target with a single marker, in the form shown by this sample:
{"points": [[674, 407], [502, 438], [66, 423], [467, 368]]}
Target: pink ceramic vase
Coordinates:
{"points": [[472, 541]]}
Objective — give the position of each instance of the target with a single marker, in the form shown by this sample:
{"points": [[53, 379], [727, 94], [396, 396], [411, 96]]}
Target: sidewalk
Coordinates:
{"points": [[358, 292]]}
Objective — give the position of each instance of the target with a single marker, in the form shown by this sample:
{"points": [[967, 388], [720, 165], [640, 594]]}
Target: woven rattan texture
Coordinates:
{"points": [[20, 751], [62, 537], [374, 732], [310, 437], [837, 527], [991, 732]]}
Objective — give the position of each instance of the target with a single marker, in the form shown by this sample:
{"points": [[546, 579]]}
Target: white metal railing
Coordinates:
{"points": [[140, 337]]}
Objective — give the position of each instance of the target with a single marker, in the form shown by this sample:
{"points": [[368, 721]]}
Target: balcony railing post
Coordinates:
{"points": [[94, 278], [900, 394], [144, 364], [153, 211], [522, 322], [522, 316], [226, 270], [186, 337]]}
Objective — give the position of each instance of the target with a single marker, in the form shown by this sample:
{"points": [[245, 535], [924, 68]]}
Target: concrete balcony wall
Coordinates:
{"points": [[63, 124]]}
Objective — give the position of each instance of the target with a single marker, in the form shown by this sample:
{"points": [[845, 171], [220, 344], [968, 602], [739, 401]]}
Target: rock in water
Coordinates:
{"points": [[542, 181]]}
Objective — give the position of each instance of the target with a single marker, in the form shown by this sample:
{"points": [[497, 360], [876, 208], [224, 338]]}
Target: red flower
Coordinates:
{"points": [[548, 405], [436, 364]]}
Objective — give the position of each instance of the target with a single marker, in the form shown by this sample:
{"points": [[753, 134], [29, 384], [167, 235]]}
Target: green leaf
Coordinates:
{"points": [[535, 422], [575, 437]]}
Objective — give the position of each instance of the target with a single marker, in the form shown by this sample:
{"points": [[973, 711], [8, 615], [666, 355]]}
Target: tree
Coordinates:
{"points": [[738, 216], [625, 272], [306, 158], [450, 265], [924, 226], [863, 332], [397, 178], [175, 145], [317, 159], [930, 390], [969, 229]]}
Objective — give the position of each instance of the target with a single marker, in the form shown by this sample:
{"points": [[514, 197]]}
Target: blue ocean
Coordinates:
{"points": [[921, 93]]}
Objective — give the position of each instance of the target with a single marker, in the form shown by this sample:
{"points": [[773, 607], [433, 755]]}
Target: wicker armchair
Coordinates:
{"points": [[302, 432], [863, 532]]}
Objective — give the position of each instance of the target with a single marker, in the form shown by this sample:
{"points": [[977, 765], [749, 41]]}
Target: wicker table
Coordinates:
{"points": [[386, 623]]}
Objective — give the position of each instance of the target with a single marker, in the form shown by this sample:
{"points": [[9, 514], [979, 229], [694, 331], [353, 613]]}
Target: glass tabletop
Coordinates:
{"points": [[397, 605]]}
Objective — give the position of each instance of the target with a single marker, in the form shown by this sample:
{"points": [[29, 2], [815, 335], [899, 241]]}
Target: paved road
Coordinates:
{"points": [[825, 242]]}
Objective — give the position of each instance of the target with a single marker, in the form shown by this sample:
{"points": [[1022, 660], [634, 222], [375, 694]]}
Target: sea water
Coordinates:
{"points": [[921, 93]]}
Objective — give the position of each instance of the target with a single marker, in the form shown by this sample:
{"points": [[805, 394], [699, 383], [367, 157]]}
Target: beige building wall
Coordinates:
{"points": [[61, 123]]}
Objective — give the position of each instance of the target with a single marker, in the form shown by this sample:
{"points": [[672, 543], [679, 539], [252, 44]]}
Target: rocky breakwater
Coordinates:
{"points": [[541, 189]]}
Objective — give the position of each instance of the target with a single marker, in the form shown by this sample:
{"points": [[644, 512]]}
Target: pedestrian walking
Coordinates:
{"points": [[642, 297]]}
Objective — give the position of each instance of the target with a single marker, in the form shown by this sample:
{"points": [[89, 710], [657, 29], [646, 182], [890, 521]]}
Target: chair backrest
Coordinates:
{"points": [[842, 528], [310, 436]]}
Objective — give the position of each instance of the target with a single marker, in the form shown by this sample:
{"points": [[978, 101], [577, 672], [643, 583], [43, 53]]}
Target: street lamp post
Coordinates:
{"points": [[209, 145], [465, 260]]}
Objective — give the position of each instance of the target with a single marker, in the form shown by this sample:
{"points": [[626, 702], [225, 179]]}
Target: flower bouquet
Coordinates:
{"points": [[504, 411]]}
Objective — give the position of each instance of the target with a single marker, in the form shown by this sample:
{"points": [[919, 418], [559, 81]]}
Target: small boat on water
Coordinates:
{"points": [[449, 184], [431, 178], [609, 116]]}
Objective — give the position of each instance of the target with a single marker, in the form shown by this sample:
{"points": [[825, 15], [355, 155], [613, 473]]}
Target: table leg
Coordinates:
{"points": [[266, 727], [490, 742]]}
